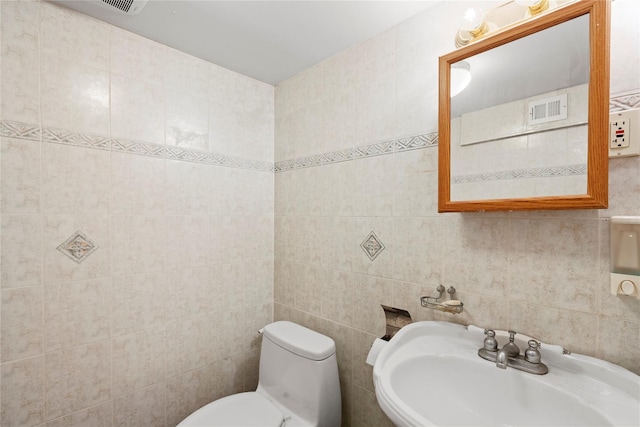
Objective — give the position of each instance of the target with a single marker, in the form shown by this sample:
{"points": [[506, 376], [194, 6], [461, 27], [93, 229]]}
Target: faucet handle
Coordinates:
{"points": [[532, 354], [511, 348], [490, 343]]}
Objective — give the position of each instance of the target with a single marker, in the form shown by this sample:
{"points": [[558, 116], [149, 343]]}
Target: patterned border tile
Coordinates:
{"points": [[33, 132], [138, 148], [418, 141], [619, 102], [625, 101], [548, 172], [61, 136], [20, 130]]}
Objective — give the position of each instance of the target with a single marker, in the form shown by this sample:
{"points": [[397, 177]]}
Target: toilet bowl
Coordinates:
{"points": [[298, 385]]}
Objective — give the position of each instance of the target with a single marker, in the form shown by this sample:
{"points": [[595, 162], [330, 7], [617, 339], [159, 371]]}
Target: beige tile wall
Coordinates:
{"points": [[163, 317], [541, 273]]}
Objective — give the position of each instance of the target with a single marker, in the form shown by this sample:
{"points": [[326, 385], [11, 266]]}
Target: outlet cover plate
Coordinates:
{"points": [[624, 125]]}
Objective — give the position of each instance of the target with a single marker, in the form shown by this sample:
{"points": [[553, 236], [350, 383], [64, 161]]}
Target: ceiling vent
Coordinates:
{"points": [[128, 7]]}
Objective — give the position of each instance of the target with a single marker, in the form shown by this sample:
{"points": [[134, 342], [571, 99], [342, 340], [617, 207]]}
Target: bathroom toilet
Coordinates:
{"points": [[298, 385]]}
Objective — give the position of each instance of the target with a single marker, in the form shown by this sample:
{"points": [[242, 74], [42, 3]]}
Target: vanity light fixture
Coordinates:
{"points": [[624, 249], [534, 6], [473, 26], [460, 77], [477, 24]]}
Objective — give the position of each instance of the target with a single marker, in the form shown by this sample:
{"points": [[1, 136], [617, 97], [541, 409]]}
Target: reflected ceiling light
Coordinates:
{"points": [[534, 6], [460, 77]]}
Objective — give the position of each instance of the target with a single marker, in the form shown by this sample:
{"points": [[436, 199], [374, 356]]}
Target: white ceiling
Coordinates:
{"points": [[267, 40]]}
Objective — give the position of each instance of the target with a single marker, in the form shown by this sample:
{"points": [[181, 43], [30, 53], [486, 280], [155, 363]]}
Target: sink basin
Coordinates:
{"points": [[430, 374]]}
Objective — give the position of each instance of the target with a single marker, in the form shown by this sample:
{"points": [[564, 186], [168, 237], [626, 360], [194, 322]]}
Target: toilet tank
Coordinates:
{"points": [[299, 370]]}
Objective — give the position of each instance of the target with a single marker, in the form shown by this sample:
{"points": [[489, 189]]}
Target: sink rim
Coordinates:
{"points": [[439, 339]]}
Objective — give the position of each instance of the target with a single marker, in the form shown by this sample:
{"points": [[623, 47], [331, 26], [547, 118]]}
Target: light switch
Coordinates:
{"points": [[624, 133]]}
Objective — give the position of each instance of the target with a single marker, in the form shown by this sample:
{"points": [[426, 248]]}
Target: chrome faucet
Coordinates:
{"points": [[509, 354], [510, 349]]}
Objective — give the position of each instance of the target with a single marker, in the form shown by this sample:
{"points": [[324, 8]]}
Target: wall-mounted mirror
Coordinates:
{"points": [[530, 130]]}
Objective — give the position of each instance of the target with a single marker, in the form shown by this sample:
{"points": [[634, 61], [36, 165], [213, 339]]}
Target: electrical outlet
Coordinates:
{"points": [[624, 133]]}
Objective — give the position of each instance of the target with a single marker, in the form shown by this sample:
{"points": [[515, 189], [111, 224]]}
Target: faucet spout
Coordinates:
{"points": [[502, 359]]}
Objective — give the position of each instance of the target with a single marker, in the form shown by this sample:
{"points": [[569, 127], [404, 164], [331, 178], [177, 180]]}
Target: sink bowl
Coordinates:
{"points": [[430, 374]]}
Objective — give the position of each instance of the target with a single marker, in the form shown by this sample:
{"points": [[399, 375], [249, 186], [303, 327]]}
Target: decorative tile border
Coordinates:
{"points": [[625, 101], [20, 130], [548, 172], [371, 150], [138, 148], [33, 132], [61, 136], [619, 102]]}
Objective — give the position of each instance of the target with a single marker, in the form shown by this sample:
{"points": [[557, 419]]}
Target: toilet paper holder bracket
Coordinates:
{"points": [[396, 318]]}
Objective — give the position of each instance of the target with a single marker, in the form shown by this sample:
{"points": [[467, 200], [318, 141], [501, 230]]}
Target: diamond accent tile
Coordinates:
{"points": [[372, 246], [77, 247]]}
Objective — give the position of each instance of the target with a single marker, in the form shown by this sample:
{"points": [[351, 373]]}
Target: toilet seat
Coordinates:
{"points": [[243, 409]]}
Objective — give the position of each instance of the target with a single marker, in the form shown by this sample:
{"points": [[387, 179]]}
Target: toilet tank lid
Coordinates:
{"points": [[300, 340]]}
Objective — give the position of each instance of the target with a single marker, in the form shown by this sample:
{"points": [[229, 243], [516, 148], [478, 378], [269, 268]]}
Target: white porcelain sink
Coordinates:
{"points": [[430, 374]]}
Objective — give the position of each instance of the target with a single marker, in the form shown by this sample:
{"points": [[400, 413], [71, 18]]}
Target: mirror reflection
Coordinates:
{"points": [[519, 127]]}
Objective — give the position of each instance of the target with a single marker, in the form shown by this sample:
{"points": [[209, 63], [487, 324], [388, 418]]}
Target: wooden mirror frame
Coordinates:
{"points": [[598, 116]]}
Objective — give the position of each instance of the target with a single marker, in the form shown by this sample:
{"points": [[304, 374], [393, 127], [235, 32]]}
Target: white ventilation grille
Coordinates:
{"points": [[128, 7], [548, 109], [123, 5]]}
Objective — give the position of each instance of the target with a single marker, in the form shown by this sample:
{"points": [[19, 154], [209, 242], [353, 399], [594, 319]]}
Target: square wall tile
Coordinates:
{"points": [[144, 407], [98, 415], [195, 334], [369, 293], [139, 244], [74, 96], [21, 252], [477, 248], [188, 188], [137, 185], [21, 326], [189, 391], [186, 121], [185, 73], [20, 176], [137, 110], [573, 330], [20, 91], [138, 361], [136, 57], [187, 241], [567, 248], [618, 342], [226, 135], [77, 313], [75, 180], [22, 392], [140, 302], [190, 292], [74, 36], [77, 378]]}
